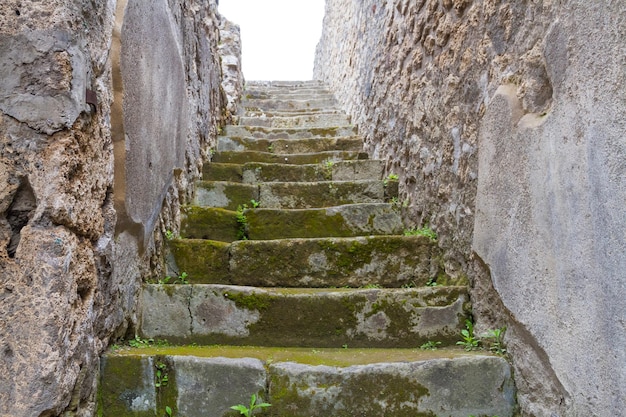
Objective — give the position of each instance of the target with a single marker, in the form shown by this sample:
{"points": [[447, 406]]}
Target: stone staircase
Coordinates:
{"points": [[301, 287]]}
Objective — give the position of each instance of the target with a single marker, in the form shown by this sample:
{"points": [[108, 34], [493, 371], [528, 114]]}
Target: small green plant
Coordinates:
{"points": [[168, 411], [495, 340], [469, 342], [390, 177], [410, 284], [138, 342], [254, 203], [432, 282], [372, 286], [270, 148], [430, 345], [344, 346], [328, 169], [422, 231], [160, 377], [165, 280], [254, 405], [169, 235], [183, 278], [242, 221]]}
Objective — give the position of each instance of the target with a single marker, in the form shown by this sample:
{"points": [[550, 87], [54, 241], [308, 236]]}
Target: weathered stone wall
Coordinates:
{"points": [[232, 75], [86, 190], [528, 207]]}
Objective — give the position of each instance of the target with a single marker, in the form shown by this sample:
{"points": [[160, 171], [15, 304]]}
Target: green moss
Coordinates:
{"points": [[347, 396], [282, 224], [209, 223], [254, 301], [205, 261], [125, 378], [222, 172]]}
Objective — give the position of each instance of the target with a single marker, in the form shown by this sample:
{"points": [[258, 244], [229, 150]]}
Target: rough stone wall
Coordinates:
{"points": [[230, 51], [87, 190], [528, 207]]}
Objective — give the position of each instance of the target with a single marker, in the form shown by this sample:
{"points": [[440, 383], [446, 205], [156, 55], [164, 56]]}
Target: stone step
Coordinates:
{"points": [[301, 102], [241, 157], [290, 146], [301, 382], [226, 314], [291, 195], [224, 194], [280, 84], [297, 195], [288, 133], [253, 172], [340, 221], [287, 94], [257, 112], [265, 224], [386, 261], [314, 120]]}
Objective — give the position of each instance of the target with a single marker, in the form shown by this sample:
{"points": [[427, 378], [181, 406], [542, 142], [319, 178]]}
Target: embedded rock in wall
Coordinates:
{"points": [[502, 121], [80, 85]]}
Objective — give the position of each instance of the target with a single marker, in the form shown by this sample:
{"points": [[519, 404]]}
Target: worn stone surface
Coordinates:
{"points": [[230, 53], [390, 261], [339, 221], [207, 387], [195, 386], [314, 120], [69, 283], [421, 81], [480, 385], [294, 195], [284, 133], [207, 380], [217, 314], [227, 195], [289, 146]]}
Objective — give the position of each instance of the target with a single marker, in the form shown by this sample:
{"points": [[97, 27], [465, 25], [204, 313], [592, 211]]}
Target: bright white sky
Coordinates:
{"points": [[278, 36]]}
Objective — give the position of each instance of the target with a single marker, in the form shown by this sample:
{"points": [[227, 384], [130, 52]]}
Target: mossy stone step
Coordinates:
{"points": [[284, 84], [388, 261], [339, 221], [290, 102], [258, 112], [206, 381], [294, 195], [225, 314], [224, 194], [313, 120], [255, 172], [290, 146], [232, 157], [210, 223], [288, 133], [262, 224], [291, 195]]}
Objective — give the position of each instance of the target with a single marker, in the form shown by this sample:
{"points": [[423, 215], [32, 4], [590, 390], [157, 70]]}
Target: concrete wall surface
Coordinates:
{"points": [[504, 121], [107, 111]]}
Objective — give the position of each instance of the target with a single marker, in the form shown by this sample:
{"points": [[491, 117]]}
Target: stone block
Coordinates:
{"points": [[297, 195], [316, 317], [389, 261], [479, 385], [339, 221], [207, 387]]}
